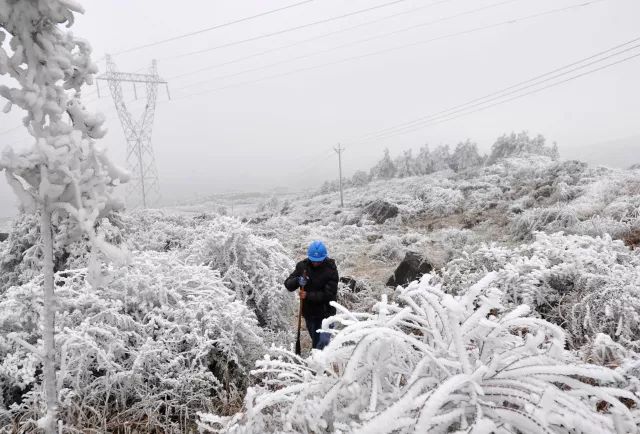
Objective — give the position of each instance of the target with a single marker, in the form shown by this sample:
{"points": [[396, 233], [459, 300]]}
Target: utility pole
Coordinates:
{"points": [[339, 149], [144, 188]]}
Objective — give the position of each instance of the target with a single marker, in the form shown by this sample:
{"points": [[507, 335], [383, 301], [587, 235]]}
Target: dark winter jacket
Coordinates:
{"points": [[321, 288]]}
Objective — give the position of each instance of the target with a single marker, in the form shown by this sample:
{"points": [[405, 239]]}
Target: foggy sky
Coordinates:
{"points": [[280, 132]]}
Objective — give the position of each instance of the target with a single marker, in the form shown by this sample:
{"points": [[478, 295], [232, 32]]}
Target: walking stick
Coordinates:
{"points": [[298, 349]]}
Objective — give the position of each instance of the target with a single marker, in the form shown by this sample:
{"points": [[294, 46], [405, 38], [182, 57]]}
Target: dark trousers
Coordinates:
{"points": [[313, 324]]}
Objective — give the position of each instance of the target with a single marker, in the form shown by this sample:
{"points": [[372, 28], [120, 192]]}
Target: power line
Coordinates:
{"points": [[208, 29], [304, 41], [352, 43], [287, 30], [447, 118], [391, 49], [518, 87]]}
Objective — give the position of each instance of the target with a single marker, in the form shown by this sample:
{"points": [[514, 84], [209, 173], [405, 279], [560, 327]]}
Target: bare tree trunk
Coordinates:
{"points": [[48, 323]]}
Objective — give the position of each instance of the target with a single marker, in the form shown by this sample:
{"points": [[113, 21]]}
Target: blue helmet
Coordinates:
{"points": [[317, 251]]}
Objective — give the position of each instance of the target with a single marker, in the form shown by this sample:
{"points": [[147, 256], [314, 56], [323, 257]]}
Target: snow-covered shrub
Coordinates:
{"points": [[273, 206], [388, 248], [254, 267], [552, 219], [434, 363], [22, 252], [20, 257], [597, 195], [624, 208], [587, 285], [161, 231], [439, 201], [457, 240], [159, 341], [598, 226]]}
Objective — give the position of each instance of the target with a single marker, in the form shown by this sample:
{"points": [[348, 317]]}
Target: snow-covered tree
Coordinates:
{"points": [[520, 144], [440, 157], [465, 156], [64, 173], [384, 169], [424, 162], [360, 178], [405, 165]]}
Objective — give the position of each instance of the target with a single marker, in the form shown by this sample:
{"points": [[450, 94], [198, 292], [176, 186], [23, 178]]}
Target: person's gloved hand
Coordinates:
{"points": [[324, 340], [302, 281]]}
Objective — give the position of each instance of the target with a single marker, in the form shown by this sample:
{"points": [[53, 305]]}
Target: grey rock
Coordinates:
{"points": [[412, 267]]}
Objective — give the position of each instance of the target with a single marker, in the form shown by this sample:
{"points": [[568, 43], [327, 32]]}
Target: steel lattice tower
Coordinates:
{"points": [[144, 188]]}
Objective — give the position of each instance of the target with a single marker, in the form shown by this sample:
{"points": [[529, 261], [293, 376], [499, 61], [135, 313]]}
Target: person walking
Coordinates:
{"points": [[317, 278]]}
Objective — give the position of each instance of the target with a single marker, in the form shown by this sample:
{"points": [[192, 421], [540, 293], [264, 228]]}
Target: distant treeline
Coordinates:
{"points": [[465, 156]]}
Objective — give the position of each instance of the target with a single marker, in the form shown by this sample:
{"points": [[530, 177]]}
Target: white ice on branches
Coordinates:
{"points": [[63, 172], [158, 333], [589, 285], [64, 168], [434, 363], [253, 266]]}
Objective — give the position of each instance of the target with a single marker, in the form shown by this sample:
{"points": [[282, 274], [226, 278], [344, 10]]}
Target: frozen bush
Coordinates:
{"points": [[388, 249], [553, 219], [161, 231], [434, 363], [600, 226], [22, 252], [438, 201], [254, 267], [587, 285], [156, 343]]}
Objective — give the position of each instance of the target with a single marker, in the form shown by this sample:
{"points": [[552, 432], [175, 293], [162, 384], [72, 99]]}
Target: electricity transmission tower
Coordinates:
{"points": [[144, 188], [339, 149]]}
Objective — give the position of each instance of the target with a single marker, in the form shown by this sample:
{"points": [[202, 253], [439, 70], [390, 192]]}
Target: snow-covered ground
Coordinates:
{"points": [[530, 317], [525, 320]]}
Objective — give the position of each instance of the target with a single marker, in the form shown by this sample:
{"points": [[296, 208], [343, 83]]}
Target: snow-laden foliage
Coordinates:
{"points": [[160, 231], [516, 145], [254, 267], [64, 175], [465, 156], [20, 260], [385, 168], [158, 342], [251, 265], [64, 172], [586, 285], [431, 362], [509, 199], [22, 253]]}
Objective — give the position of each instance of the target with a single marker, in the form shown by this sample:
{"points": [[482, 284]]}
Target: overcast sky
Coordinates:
{"points": [[259, 132]]}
